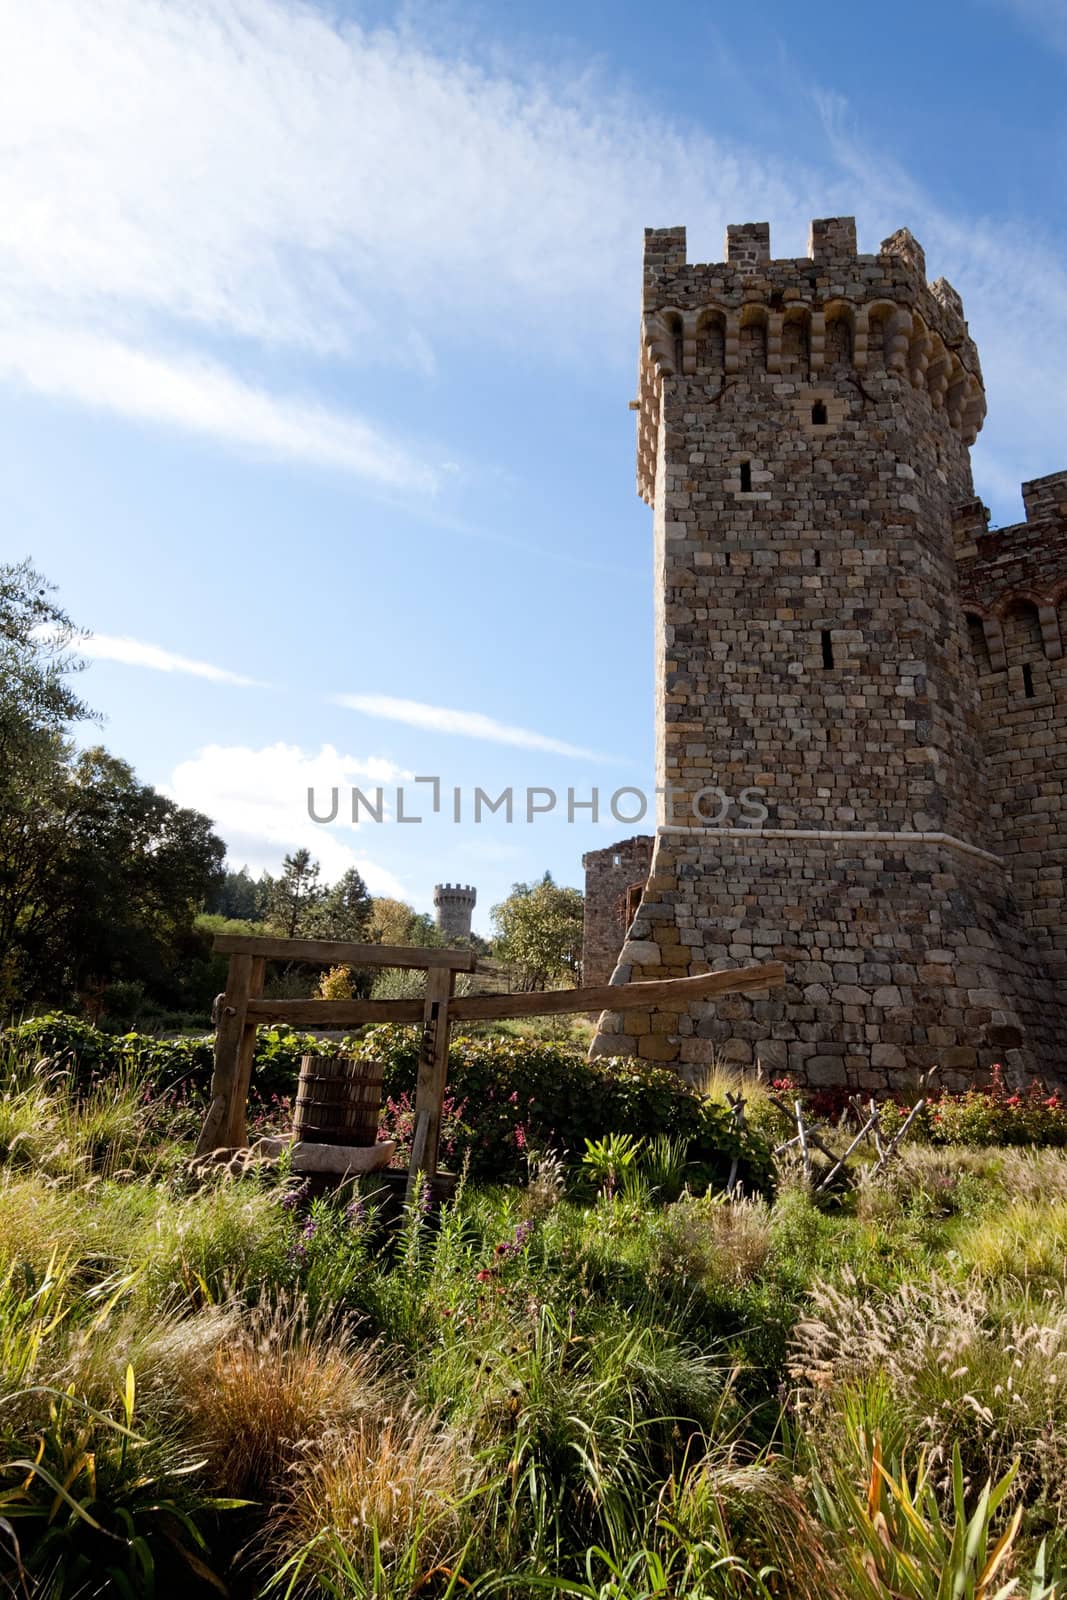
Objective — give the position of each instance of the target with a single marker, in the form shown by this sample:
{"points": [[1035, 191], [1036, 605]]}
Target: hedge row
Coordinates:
{"points": [[509, 1095]]}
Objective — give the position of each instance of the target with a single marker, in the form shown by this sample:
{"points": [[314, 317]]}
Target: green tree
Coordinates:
{"points": [[100, 876], [395, 922], [37, 704], [134, 872], [539, 934], [294, 899], [239, 897], [344, 912]]}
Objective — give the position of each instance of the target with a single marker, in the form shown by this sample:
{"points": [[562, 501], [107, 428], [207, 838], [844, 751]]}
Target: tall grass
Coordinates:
{"points": [[541, 1388]]}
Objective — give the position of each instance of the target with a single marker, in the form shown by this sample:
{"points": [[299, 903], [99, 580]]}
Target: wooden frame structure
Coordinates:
{"points": [[242, 1008]]}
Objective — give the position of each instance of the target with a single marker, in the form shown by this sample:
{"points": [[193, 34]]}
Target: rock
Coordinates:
{"points": [[342, 1159]]}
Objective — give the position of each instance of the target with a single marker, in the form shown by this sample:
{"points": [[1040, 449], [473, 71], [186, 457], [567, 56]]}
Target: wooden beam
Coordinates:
{"points": [[338, 952], [493, 1007], [616, 996], [336, 1013]]}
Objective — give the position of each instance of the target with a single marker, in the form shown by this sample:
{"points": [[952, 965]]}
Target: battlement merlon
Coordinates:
{"points": [[750, 274], [1046, 498], [893, 316]]}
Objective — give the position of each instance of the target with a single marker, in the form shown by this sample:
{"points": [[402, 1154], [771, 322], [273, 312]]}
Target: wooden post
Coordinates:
{"points": [[237, 1135], [433, 1069], [229, 1036]]}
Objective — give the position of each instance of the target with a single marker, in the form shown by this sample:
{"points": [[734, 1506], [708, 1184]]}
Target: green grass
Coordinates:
{"points": [[620, 1388]]}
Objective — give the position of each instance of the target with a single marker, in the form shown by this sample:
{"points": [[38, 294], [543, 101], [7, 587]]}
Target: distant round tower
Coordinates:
{"points": [[454, 905]]}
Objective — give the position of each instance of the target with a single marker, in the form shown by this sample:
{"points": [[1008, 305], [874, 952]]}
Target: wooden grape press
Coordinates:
{"points": [[242, 1008]]}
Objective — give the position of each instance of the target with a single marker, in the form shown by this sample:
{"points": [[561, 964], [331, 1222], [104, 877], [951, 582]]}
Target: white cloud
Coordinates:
{"points": [[136, 653], [468, 724], [180, 172], [199, 396], [1015, 298], [258, 800]]}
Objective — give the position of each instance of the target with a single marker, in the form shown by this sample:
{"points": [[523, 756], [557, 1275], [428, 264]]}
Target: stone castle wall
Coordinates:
{"points": [[803, 435], [1013, 584], [614, 879]]}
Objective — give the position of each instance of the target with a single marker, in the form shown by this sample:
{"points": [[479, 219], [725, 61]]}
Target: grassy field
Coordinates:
{"points": [[597, 1384]]}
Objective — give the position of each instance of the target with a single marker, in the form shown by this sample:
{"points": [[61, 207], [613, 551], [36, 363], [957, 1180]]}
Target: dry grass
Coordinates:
{"points": [[383, 1498], [714, 1241], [755, 1513], [929, 1365], [256, 1400]]}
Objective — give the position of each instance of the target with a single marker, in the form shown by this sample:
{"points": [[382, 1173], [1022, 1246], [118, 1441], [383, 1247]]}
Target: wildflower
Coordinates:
{"points": [[355, 1211], [292, 1199], [484, 1276], [311, 1228]]}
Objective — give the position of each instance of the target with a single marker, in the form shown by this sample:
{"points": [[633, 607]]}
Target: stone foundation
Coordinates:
{"points": [[898, 955]]}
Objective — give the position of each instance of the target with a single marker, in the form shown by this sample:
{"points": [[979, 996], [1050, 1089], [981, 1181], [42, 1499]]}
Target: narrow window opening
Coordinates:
{"points": [[679, 351], [818, 413], [818, 558], [827, 649], [616, 861], [1028, 680], [746, 477], [727, 558]]}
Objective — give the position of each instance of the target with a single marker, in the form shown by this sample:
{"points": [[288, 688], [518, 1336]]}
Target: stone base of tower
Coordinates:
{"points": [[899, 954]]}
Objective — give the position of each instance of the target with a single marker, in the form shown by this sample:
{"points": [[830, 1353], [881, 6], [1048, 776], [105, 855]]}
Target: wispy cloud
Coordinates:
{"points": [[1015, 298], [1047, 19], [257, 799], [467, 724], [199, 396], [356, 197], [136, 653]]}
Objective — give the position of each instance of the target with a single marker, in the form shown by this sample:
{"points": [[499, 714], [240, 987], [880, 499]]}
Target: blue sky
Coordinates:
{"points": [[318, 327]]}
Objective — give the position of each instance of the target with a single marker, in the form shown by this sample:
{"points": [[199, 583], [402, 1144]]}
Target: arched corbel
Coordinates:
{"points": [[775, 324], [994, 638], [860, 337], [817, 342], [898, 338], [732, 341], [1049, 618]]}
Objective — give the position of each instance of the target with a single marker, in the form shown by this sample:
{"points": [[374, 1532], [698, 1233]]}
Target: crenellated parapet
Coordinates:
{"points": [[816, 319], [1017, 573]]}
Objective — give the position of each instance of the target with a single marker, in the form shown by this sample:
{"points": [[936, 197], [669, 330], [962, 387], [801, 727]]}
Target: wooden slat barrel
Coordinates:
{"points": [[338, 1100]]}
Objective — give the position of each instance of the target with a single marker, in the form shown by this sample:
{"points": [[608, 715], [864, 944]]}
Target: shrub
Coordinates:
{"points": [[175, 1070], [523, 1094]]}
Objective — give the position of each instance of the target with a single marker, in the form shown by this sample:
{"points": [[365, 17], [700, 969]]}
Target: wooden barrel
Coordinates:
{"points": [[338, 1100]]}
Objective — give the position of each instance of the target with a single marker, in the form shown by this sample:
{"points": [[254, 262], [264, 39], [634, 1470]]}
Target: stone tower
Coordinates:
{"points": [[454, 905], [804, 436]]}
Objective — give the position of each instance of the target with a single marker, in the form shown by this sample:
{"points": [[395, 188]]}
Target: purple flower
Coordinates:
{"points": [[291, 1201], [311, 1228], [355, 1211]]}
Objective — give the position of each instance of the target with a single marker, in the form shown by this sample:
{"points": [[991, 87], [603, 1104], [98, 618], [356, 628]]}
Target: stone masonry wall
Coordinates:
{"points": [[611, 876], [1013, 585], [803, 436]]}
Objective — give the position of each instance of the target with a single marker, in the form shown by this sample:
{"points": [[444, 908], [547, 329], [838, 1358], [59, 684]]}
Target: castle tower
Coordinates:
{"points": [[454, 906], [804, 431]]}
